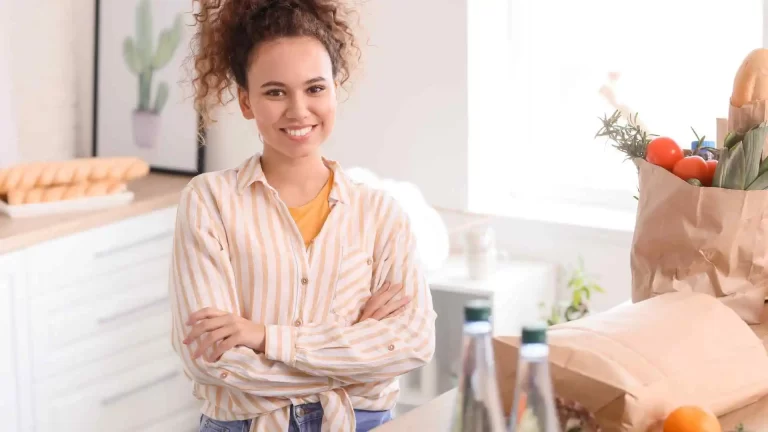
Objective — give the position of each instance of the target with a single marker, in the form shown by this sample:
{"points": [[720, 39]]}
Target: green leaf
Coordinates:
{"points": [[144, 33], [734, 176], [732, 139], [722, 168], [763, 166], [753, 149], [586, 293], [597, 288], [760, 183], [145, 83], [130, 55], [162, 96], [576, 298], [169, 41]]}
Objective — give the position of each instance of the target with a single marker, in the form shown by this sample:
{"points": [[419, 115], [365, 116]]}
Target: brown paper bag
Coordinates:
{"points": [[740, 120], [632, 365], [700, 239]]}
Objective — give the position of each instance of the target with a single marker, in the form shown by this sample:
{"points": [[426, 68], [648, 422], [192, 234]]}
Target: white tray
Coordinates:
{"points": [[65, 206]]}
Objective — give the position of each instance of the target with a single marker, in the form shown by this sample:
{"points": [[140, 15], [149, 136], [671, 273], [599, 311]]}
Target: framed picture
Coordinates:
{"points": [[143, 103]]}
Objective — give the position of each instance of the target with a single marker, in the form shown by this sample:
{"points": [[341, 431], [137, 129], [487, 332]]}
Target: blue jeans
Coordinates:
{"points": [[304, 418]]}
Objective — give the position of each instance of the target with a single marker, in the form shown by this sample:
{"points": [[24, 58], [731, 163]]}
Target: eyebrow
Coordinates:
{"points": [[279, 84]]}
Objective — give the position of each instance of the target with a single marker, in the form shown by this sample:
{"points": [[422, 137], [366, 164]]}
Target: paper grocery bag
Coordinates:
{"points": [[700, 239], [632, 365], [743, 118]]}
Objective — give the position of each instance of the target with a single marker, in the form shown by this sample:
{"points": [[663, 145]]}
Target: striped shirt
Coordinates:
{"points": [[237, 249]]}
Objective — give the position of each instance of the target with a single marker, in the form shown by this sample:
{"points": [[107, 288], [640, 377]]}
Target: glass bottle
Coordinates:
{"points": [[478, 404], [533, 409]]}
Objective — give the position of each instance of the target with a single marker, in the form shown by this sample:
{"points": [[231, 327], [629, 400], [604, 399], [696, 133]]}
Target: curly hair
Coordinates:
{"points": [[229, 30]]}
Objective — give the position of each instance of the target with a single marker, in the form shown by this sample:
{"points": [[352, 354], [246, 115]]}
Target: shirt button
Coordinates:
{"points": [[369, 261], [299, 322], [391, 347], [304, 281], [224, 375]]}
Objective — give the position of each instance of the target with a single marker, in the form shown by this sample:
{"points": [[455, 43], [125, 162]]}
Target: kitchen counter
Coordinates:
{"points": [[435, 416], [153, 192]]}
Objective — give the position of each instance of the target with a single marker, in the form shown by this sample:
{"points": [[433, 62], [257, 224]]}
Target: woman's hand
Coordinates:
{"points": [[210, 326], [383, 304]]}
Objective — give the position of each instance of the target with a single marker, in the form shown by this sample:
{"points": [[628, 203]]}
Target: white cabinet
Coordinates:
{"points": [[10, 279], [89, 328]]}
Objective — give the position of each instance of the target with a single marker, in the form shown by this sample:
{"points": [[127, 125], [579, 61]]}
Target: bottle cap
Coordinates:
{"points": [[710, 144], [477, 310], [534, 333]]}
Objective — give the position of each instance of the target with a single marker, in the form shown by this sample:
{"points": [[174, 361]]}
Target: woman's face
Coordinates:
{"points": [[291, 95]]}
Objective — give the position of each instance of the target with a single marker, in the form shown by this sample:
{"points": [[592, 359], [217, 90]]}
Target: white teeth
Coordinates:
{"points": [[298, 132]]}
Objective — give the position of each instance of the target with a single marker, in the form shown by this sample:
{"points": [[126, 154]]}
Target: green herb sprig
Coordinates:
{"points": [[627, 136]]}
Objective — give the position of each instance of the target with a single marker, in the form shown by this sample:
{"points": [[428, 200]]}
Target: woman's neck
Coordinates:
{"points": [[297, 181]]}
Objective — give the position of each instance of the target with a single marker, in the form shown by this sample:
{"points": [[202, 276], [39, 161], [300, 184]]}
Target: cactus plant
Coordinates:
{"points": [[144, 61]]}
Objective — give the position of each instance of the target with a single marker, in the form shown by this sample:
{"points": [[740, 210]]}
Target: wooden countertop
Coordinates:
{"points": [[153, 192]]}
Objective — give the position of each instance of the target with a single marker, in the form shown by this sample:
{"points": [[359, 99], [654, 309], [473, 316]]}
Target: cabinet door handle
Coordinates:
{"points": [[114, 250], [122, 395], [132, 311]]}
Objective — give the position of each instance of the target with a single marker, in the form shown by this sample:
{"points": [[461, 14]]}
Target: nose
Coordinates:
{"points": [[298, 108]]}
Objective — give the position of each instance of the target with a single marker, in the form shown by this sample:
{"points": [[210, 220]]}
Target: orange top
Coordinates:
{"points": [[311, 216]]}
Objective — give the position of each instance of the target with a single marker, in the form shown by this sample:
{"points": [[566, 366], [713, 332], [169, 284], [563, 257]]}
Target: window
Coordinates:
{"points": [[671, 61]]}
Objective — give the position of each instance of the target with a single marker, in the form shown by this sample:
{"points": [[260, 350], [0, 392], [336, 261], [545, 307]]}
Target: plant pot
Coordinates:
{"points": [[146, 128]]}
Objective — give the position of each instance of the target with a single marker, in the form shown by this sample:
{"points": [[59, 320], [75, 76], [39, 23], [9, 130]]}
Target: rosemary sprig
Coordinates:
{"points": [[627, 137]]}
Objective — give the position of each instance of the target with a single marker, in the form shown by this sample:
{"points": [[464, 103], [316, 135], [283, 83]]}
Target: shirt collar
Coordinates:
{"points": [[250, 172]]}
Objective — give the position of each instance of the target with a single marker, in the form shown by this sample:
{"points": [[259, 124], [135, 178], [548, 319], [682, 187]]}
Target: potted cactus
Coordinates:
{"points": [[144, 60]]}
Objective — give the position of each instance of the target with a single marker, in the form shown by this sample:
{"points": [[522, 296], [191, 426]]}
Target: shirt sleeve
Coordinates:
{"points": [[202, 276], [370, 350]]}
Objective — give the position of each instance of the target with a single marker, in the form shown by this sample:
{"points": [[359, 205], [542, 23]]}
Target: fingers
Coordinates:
{"points": [[370, 306], [390, 308], [204, 313], [399, 311], [380, 298], [211, 338], [224, 346], [206, 325]]}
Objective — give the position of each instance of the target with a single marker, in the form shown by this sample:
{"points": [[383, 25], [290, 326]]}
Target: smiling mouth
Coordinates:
{"points": [[298, 132]]}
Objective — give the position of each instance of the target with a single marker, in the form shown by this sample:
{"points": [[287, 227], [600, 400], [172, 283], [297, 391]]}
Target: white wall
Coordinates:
{"points": [[9, 150], [406, 118], [605, 253]]}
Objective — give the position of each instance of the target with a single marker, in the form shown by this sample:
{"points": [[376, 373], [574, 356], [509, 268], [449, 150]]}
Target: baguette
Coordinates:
{"points": [[751, 81], [34, 175], [65, 192]]}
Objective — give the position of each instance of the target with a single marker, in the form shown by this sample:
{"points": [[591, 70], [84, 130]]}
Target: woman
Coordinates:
{"points": [[296, 293]]}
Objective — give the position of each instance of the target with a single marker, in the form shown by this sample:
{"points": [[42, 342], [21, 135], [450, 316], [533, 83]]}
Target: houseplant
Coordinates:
{"points": [[144, 60], [581, 287]]}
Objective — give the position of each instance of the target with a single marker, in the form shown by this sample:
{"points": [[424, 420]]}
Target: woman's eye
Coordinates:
{"points": [[275, 93], [316, 89]]}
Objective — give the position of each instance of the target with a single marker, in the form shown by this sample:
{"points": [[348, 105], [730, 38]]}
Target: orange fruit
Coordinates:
{"points": [[691, 419]]}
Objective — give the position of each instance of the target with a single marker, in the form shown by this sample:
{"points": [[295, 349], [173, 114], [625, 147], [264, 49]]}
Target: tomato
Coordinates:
{"points": [[691, 167], [711, 167], [664, 152]]}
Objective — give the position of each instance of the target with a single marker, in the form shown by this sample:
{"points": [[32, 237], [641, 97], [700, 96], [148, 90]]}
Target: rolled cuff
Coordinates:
{"points": [[280, 344]]}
